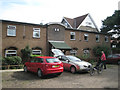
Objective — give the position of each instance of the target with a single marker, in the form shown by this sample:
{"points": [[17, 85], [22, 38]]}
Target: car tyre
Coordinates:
{"points": [[73, 70], [92, 71], [39, 73], [25, 69]]}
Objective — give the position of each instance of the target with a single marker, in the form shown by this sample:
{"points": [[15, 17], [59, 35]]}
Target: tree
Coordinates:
{"points": [[26, 52], [112, 23], [97, 50]]}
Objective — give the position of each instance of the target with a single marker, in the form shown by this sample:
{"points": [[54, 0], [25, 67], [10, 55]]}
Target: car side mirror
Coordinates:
{"points": [[67, 61]]}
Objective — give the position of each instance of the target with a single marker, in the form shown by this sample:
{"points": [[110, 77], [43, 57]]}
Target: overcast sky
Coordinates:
{"points": [[45, 11]]}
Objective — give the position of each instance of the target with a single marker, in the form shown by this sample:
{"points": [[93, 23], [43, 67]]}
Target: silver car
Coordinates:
{"points": [[72, 63]]}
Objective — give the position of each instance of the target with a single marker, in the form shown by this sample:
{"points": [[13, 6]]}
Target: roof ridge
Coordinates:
{"points": [[81, 16]]}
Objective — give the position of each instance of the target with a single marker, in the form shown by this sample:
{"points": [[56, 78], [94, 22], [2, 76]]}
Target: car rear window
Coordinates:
{"points": [[53, 60]]}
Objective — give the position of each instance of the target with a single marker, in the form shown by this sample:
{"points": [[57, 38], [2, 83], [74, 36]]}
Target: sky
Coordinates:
{"points": [[45, 11]]}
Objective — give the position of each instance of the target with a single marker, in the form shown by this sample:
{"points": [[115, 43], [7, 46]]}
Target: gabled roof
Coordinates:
{"points": [[79, 20], [75, 22], [70, 21]]}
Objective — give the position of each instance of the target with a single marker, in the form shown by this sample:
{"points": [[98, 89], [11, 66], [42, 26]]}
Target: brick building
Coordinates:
{"points": [[75, 36]]}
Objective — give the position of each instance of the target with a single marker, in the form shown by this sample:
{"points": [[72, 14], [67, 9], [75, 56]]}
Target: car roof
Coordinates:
{"points": [[115, 54], [44, 57]]}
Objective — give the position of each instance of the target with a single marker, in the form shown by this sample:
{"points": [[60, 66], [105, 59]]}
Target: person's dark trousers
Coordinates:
{"points": [[104, 63]]}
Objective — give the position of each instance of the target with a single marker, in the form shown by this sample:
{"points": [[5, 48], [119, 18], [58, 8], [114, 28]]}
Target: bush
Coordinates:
{"points": [[14, 60], [26, 52], [97, 50]]}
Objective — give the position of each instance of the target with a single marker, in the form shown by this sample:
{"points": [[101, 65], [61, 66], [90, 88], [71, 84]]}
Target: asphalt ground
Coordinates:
{"points": [[19, 79]]}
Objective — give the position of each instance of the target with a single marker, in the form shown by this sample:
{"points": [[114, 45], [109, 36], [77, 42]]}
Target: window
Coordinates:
{"points": [[36, 32], [106, 39], [39, 60], [88, 23], [73, 52], [114, 46], [57, 29], [52, 60], [72, 35], [36, 52], [11, 30], [62, 58], [110, 56], [86, 52], [10, 53], [86, 37], [97, 38]]}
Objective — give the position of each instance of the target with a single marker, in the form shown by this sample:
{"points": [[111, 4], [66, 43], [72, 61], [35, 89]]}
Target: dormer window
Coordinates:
{"points": [[88, 23]]}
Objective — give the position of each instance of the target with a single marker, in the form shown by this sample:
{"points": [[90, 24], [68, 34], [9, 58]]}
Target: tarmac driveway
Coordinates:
{"points": [[20, 79]]}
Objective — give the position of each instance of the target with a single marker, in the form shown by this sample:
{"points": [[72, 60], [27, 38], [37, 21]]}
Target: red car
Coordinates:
{"points": [[44, 65], [113, 58]]}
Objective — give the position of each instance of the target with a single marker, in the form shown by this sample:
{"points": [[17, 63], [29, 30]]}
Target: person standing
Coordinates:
{"points": [[103, 59]]}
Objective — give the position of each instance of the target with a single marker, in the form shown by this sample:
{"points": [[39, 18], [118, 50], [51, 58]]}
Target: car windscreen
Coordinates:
{"points": [[52, 60], [74, 59]]}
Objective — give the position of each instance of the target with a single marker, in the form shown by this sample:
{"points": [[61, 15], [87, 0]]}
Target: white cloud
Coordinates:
{"points": [[35, 11]]}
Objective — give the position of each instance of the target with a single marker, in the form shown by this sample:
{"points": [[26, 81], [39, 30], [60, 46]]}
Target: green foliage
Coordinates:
{"points": [[14, 60], [97, 50], [92, 61], [26, 52], [84, 56], [112, 23]]}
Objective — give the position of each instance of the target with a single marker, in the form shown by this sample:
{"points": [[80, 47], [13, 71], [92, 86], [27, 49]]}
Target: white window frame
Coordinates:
{"points": [[88, 24], [11, 30], [36, 30], [72, 33], [73, 52], [106, 38], [86, 52], [97, 36], [86, 35], [7, 52], [33, 52], [57, 29]]}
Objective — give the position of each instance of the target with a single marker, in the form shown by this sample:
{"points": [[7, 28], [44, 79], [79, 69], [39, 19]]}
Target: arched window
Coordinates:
{"points": [[36, 51], [10, 51]]}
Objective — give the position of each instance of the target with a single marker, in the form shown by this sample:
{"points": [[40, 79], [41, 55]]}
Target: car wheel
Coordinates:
{"points": [[73, 70], [25, 69], [39, 73], [92, 71]]}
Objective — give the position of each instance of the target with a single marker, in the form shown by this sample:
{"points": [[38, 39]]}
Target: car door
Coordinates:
{"points": [[39, 64], [109, 58], [115, 59], [66, 62], [31, 65]]}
